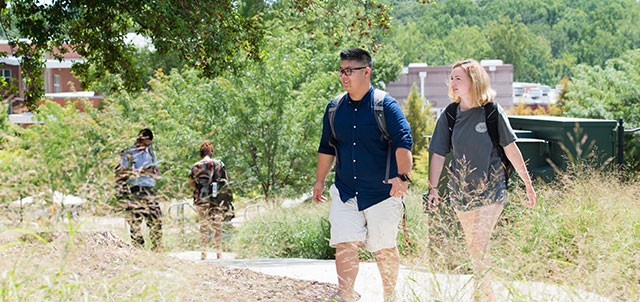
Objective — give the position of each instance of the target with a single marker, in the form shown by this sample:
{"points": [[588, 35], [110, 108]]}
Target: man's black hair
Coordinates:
{"points": [[357, 54], [146, 132]]}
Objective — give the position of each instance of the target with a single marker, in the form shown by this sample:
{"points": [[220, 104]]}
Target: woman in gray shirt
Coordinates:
{"points": [[477, 182]]}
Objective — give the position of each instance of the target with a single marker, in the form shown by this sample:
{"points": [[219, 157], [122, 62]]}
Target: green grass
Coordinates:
{"points": [[584, 233], [301, 232]]}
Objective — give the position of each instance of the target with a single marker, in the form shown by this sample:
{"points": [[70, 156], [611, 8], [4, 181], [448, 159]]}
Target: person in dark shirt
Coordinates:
{"points": [[367, 196], [477, 183]]}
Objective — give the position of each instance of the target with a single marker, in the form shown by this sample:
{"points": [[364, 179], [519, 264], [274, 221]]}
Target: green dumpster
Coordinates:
{"points": [[549, 142], [570, 139]]}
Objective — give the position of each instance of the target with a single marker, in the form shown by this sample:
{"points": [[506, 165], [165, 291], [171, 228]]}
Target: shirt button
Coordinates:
{"points": [[354, 144], [356, 193], [355, 177], [354, 126], [356, 109], [354, 160]]}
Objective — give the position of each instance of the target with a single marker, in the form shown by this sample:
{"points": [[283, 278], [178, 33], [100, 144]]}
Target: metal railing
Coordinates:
{"points": [[179, 215], [179, 206]]}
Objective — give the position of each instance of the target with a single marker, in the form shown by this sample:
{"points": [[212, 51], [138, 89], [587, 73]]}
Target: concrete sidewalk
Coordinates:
{"points": [[414, 284]]}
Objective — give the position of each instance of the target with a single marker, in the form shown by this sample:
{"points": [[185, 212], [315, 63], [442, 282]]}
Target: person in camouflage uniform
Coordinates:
{"points": [[212, 197], [135, 178]]}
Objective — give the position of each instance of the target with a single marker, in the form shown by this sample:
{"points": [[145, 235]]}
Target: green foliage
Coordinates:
{"points": [[543, 39], [420, 171], [287, 233], [213, 37], [70, 152], [264, 120], [304, 232], [4, 118], [583, 232], [359, 24], [422, 123], [513, 43], [419, 117], [609, 92], [216, 42], [151, 61], [250, 8], [275, 106]]}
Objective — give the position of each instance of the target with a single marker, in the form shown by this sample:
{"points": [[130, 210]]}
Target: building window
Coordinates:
{"points": [[56, 83], [6, 73]]}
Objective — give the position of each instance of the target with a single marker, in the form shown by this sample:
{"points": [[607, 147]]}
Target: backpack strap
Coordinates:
{"points": [[128, 153], [153, 155], [221, 170], [213, 165], [450, 112], [491, 119], [378, 110], [331, 112]]}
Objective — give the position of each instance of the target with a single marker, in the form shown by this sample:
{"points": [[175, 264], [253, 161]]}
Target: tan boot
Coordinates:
{"points": [[203, 255]]}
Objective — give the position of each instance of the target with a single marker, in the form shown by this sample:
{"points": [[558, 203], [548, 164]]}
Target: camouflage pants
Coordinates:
{"points": [[210, 218], [141, 205]]}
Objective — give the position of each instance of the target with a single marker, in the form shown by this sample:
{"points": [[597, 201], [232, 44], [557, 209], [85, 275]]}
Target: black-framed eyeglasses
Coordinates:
{"points": [[348, 71]]}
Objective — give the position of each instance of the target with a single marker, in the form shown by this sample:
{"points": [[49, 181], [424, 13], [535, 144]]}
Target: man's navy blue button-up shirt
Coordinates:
{"points": [[362, 154]]}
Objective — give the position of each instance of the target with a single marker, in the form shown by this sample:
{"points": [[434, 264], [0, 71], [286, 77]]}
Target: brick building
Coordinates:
{"points": [[60, 85], [432, 83]]}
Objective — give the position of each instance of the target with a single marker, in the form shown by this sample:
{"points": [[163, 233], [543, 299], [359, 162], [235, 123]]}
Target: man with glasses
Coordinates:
{"points": [[138, 168], [365, 208]]}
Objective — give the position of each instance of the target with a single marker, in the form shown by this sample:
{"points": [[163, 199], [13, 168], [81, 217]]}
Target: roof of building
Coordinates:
{"points": [[51, 63], [23, 118], [69, 53]]}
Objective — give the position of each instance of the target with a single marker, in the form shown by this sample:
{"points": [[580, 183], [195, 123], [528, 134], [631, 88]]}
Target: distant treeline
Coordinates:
{"points": [[543, 39]]}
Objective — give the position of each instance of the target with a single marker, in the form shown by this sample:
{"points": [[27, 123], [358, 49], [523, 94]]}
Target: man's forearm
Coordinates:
{"points": [[324, 166], [404, 160]]}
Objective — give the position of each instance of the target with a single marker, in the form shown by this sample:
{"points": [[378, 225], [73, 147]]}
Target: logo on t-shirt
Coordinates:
{"points": [[481, 127]]}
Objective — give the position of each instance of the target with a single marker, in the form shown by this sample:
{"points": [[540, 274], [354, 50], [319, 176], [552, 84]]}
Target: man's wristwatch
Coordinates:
{"points": [[404, 177]]}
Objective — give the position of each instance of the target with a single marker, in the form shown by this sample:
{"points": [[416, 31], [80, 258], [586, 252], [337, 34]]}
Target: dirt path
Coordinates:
{"points": [[102, 267]]}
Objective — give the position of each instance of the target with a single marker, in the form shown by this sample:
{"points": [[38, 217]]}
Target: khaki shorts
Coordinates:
{"points": [[376, 226]]}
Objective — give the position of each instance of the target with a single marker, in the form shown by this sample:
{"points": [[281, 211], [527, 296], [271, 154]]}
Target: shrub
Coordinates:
{"points": [[301, 232]]}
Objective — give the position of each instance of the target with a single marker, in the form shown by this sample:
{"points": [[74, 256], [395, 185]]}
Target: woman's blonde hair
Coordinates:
{"points": [[480, 89], [206, 149]]}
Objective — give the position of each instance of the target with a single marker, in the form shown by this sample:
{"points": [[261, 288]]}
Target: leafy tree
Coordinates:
{"points": [[213, 43], [150, 61], [276, 110], [250, 8], [264, 120], [466, 42], [514, 44], [574, 32], [213, 36], [419, 117], [411, 41], [422, 123], [608, 92]]}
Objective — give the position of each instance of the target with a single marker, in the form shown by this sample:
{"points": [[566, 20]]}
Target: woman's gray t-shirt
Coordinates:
{"points": [[476, 173]]}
